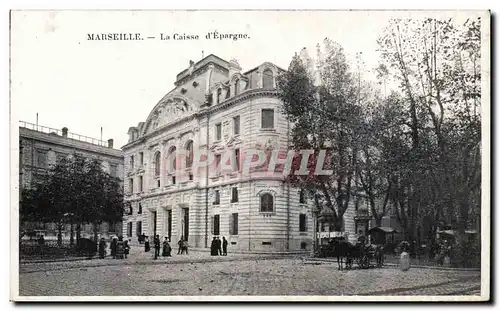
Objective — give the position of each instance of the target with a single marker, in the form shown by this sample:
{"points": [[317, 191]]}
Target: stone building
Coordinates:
{"points": [[214, 109], [40, 147]]}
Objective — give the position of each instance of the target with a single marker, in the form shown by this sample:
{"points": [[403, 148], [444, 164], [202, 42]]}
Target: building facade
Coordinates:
{"points": [[41, 147], [222, 113]]}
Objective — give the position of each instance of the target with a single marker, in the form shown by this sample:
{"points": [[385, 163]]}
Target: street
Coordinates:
{"points": [[195, 275]]}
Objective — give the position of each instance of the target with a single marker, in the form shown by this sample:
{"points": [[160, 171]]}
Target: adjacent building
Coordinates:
{"points": [[41, 147]]}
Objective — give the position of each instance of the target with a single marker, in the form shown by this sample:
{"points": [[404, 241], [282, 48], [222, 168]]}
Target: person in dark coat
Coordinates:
{"points": [[184, 247], [146, 244], [224, 246], [112, 247], [102, 248], [157, 246], [219, 246], [119, 248], [167, 250], [181, 245], [126, 248], [213, 250]]}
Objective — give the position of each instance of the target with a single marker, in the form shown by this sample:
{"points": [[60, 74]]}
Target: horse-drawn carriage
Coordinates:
{"points": [[365, 256]]}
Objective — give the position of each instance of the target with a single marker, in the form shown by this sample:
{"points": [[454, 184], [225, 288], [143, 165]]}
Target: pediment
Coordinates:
{"points": [[233, 141], [169, 110]]}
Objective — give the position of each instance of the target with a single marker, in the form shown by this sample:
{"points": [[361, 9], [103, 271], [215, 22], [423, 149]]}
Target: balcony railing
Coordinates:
{"points": [[49, 130]]}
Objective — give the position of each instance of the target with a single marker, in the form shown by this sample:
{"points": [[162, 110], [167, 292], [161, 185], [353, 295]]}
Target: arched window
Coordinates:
{"points": [[236, 87], [157, 164], [219, 95], [172, 160], [189, 154], [266, 203], [268, 79]]}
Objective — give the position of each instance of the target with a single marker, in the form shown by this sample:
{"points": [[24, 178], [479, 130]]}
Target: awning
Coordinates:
{"points": [[382, 229], [452, 232]]}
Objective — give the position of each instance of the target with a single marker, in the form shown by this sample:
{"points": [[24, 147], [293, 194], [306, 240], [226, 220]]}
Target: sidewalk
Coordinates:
{"points": [[393, 261], [139, 257]]}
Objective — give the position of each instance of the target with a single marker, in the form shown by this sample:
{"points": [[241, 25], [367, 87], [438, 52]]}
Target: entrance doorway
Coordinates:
{"points": [[185, 223], [169, 224], [154, 223]]}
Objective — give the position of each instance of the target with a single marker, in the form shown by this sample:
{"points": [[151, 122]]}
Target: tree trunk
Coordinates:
{"points": [[78, 233], [59, 235], [71, 235], [95, 227]]}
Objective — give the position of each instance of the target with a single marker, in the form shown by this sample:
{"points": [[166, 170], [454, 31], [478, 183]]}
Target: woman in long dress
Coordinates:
{"points": [[166, 248]]}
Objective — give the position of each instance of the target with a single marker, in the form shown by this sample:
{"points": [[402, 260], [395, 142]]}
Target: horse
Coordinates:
{"points": [[341, 250]]}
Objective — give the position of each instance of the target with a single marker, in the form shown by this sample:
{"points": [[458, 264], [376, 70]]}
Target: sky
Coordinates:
{"points": [[85, 85]]}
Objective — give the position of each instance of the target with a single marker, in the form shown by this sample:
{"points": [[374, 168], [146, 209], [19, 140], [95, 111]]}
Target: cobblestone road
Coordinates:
{"points": [[242, 277]]}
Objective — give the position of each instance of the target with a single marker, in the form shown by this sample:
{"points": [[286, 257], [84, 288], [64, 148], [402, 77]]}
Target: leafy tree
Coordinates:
{"points": [[77, 191], [322, 104]]}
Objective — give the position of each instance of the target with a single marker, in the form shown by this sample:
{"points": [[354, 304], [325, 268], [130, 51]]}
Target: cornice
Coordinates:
{"points": [[246, 95]]}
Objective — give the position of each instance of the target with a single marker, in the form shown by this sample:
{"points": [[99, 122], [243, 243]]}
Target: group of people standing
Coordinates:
{"points": [[118, 247], [218, 247], [167, 249]]}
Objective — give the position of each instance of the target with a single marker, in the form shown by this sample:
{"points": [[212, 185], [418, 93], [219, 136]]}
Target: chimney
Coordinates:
{"points": [[65, 132], [234, 67], [110, 143]]}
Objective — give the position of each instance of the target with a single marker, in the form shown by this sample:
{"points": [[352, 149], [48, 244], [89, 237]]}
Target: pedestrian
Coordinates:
{"points": [[146, 244], [119, 248], [126, 248], [219, 246], [167, 250], [157, 246], [224, 246], [213, 250], [180, 243], [184, 247], [102, 248], [112, 247]]}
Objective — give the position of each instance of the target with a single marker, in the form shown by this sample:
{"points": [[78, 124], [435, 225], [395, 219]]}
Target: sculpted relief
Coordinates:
{"points": [[169, 111]]}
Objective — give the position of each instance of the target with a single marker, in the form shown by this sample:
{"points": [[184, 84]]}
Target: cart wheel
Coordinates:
{"points": [[365, 262], [348, 263]]}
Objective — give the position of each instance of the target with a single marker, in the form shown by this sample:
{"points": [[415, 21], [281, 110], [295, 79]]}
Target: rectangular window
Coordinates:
{"points": [[41, 157], [302, 222], [141, 158], [131, 185], [218, 131], [129, 229], [302, 197], [139, 210], [173, 180], [234, 195], [190, 176], [111, 227], [233, 224], [131, 162], [140, 184], [217, 197], [236, 125], [216, 223], [267, 118], [138, 229], [237, 156]]}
